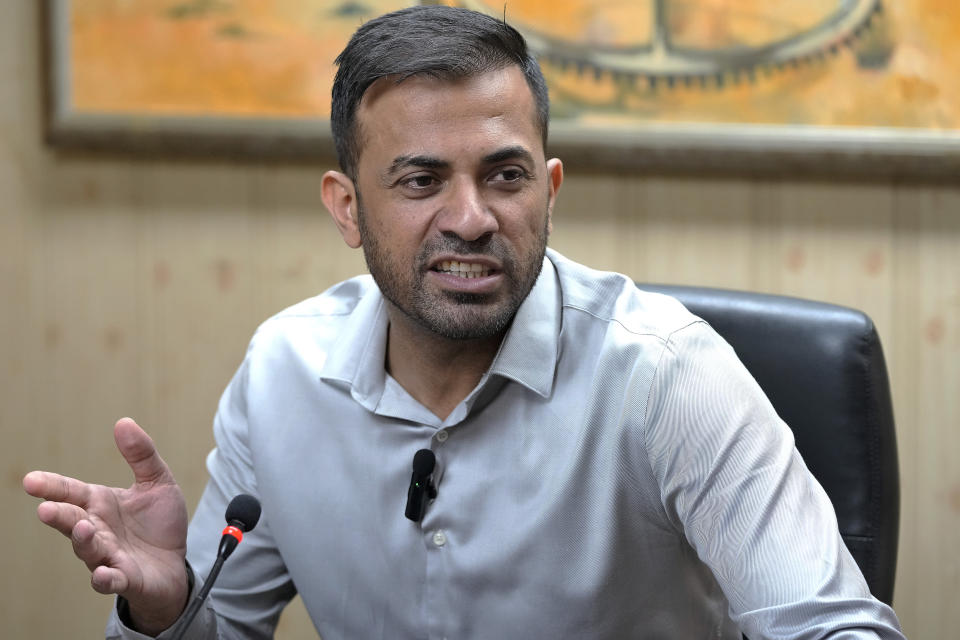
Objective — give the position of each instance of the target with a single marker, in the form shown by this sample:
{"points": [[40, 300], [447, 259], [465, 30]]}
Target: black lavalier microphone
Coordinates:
{"points": [[242, 515], [421, 489]]}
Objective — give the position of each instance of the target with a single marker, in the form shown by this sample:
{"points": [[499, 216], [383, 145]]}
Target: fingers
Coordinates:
{"points": [[90, 547], [61, 516], [108, 580], [56, 488], [138, 450]]}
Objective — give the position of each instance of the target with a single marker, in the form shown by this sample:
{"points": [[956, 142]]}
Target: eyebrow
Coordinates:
{"points": [[426, 162], [509, 153], [432, 162]]}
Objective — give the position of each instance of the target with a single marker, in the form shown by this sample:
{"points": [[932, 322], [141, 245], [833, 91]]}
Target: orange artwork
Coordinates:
{"points": [[236, 57], [610, 64], [810, 62]]}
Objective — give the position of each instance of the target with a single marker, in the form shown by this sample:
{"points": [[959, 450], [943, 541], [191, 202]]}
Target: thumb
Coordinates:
{"points": [[138, 450]]}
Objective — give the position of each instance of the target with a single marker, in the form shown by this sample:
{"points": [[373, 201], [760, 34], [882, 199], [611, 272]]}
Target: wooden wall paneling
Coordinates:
{"points": [[658, 229], [198, 300], [907, 397], [939, 475], [19, 430], [697, 231], [926, 380], [298, 250], [15, 242], [588, 221], [86, 267], [85, 345], [19, 63], [835, 244], [24, 436], [765, 237]]}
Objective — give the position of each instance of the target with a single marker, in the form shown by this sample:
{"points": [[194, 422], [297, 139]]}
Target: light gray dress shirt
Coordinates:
{"points": [[616, 474]]}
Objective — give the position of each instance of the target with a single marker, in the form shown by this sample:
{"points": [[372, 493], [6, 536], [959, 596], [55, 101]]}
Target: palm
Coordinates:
{"points": [[132, 540], [144, 534]]}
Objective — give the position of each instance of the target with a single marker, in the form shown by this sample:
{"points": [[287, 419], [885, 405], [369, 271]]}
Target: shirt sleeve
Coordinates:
{"points": [[733, 482], [253, 586]]}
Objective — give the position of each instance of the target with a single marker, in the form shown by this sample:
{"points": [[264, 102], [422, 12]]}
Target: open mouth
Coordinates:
{"points": [[463, 269]]}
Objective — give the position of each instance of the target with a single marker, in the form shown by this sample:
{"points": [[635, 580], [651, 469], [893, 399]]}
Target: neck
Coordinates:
{"points": [[438, 372]]}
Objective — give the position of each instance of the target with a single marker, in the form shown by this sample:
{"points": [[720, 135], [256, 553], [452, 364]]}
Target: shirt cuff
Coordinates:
{"points": [[120, 627]]}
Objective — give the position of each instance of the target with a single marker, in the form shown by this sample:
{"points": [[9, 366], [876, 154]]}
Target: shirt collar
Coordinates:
{"points": [[528, 354], [359, 354], [530, 349]]}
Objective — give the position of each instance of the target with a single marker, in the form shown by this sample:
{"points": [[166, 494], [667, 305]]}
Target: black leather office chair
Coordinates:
{"points": [[823, 369]]}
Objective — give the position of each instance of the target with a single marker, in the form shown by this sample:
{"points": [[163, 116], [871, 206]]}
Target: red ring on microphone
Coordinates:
{"points": [[233, 531]]}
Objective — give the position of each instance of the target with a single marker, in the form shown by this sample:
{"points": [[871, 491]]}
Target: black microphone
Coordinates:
{"points": [[421, 488], [242, 515]]}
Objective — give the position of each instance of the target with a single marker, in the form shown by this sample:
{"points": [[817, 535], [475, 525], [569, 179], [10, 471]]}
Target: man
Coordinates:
{"points": [[606, 468]]}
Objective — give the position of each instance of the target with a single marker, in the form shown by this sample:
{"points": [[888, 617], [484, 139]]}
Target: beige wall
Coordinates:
{"points": [[131, 286]]}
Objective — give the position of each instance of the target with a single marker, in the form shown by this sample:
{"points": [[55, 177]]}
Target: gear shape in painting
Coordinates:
{"points": [[664, 51]]}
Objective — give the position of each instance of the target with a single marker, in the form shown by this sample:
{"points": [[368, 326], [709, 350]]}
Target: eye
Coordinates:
{"points": [[419, 184], [510, 175]]}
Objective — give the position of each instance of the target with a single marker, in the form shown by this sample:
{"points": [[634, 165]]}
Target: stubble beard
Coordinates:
{"points": [[454, 315]]}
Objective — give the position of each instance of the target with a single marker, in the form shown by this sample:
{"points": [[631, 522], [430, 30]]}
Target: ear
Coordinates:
{"points": [[555, 179], [340, 197]]}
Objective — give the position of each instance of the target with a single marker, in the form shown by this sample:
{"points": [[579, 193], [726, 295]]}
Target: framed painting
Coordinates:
{"points": [[848, 86]]}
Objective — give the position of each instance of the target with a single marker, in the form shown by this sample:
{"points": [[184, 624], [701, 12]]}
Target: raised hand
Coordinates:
{"points": [[133, 540]]}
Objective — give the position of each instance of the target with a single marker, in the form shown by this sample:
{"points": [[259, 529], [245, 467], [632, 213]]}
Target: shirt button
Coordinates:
{"points": [[443, 435], [439, 538]]}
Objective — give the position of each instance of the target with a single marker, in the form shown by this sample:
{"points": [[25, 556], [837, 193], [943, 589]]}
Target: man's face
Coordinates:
{"points": [[454, 198]]}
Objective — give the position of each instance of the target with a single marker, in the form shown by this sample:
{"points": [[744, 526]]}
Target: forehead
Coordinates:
{"points": [[425, 114]]}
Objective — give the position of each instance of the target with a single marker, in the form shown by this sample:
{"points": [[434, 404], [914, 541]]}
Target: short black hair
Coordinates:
{"points": [[443, 42]]}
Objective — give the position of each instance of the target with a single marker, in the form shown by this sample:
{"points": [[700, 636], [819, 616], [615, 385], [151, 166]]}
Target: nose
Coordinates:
{"points": [[466, 214]]}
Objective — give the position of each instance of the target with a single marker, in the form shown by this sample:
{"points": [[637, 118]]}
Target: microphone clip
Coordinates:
{"points": [[421, 490]]}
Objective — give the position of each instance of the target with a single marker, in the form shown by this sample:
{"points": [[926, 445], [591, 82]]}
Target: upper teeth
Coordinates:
{"points": [[464, 269]]}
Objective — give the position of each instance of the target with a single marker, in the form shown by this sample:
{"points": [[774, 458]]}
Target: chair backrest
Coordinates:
{"points": [[823, 369]]}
